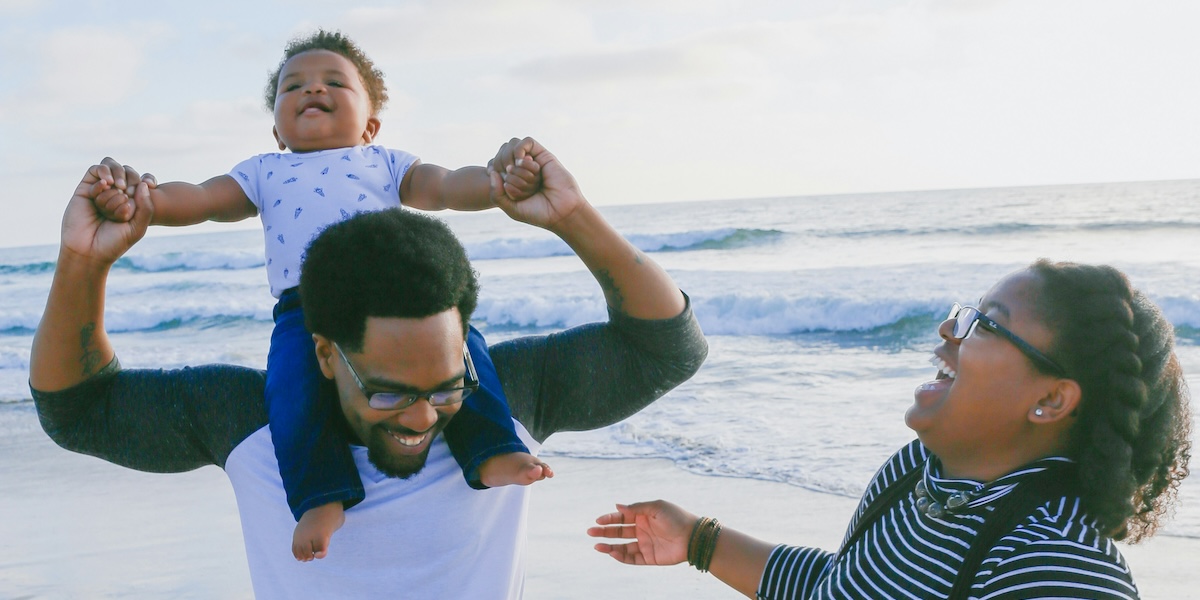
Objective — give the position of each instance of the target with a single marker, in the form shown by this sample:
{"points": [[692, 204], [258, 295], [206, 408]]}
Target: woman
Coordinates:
{"points": [[1058, 421]]}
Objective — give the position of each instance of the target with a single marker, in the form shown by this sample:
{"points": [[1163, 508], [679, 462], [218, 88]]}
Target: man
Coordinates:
{"points": [[421, 532]]}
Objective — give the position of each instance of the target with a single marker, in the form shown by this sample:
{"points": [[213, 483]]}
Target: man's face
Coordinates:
{"points": [[405, 356]]}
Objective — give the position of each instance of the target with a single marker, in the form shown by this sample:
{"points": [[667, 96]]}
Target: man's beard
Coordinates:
{"points": [[401, 466]]}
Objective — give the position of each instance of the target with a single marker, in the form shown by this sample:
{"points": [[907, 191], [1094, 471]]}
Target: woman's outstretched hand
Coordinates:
{"points": [[660, 532]]}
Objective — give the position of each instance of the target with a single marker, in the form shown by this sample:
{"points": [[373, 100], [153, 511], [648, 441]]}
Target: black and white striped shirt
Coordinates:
{"points": [[1056, 552]]}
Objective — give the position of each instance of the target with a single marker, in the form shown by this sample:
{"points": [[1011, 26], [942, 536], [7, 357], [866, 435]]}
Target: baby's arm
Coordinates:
{"points": [[175, 203], [430, 187], [218, 199]]}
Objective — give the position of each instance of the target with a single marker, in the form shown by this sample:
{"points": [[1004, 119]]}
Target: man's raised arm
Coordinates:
{"points": [[633, 284], [70, 344], [148, 420], [594, 375]]}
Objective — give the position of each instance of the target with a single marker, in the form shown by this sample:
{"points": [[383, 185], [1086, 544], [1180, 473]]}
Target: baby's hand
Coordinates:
{"points": [[114, 204], [520, 175], [112, 195], [521, 179]]}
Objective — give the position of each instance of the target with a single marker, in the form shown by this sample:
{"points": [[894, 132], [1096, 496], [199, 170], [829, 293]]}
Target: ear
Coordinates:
{"points": [[324, 355], [372, 129], [1058, 404], [275, 132]]}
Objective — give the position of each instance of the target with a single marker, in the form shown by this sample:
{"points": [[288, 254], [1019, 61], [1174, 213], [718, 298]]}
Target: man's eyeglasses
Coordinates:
{"points": [[967, 317], [398, 401]]}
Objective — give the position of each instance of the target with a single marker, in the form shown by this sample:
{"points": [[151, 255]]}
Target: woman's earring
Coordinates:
{"points": [[1038, 412]]}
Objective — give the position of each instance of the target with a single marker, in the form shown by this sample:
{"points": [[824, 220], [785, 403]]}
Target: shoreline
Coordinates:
{"points": [[84, 528]]}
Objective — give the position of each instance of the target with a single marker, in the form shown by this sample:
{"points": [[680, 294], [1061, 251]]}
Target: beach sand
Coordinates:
{"points": [[1163, 567], [77, 527]]}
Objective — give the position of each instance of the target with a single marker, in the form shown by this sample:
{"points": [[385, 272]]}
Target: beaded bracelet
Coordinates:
{"points": [[703, 542]]}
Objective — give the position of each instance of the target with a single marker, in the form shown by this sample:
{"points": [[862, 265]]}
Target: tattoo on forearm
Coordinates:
{"points": [[611, 291], [89, 356]]}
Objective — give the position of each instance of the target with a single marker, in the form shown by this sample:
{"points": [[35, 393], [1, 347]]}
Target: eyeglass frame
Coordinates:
{"points": [[470, 380], [1039, 358]]}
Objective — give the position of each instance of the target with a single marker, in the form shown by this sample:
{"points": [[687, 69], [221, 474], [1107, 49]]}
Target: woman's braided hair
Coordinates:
{"points": [[1131, 438]]}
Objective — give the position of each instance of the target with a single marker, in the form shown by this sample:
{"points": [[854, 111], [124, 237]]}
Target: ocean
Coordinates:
{"points": [[820, 310]]}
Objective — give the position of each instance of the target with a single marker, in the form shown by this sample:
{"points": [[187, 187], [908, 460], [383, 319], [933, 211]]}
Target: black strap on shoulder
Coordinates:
{"points": [[1035, 491], [887, 497]]}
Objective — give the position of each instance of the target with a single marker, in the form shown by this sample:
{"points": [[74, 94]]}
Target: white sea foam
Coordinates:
{"points": [[517, 248], [738, 313], [136, 318], [540, 311], [764, 314], [1182, 311], [542, 247], [195, 261], [22, 318], [14, 358], [819, 311]]}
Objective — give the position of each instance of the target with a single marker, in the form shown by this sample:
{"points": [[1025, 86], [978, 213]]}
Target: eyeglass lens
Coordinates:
{"points": [[386, 401], [964, 318]]}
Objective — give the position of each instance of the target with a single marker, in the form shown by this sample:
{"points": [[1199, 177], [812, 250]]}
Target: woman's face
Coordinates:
{"points": [[979, 415]]}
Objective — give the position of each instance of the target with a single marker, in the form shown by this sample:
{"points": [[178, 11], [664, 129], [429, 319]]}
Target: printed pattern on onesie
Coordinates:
{"points": [[298, 195]]}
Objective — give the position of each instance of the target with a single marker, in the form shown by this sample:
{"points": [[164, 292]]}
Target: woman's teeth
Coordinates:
{"points": [[943, 368]]}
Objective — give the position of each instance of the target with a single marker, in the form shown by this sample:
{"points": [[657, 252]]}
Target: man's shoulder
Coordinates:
{"points": [[157, 420]]}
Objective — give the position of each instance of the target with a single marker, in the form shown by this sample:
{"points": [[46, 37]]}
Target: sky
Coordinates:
{"points": [[644, 101]]}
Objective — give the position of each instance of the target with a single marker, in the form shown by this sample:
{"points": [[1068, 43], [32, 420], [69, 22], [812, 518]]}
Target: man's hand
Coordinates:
{"points": [[88, 231], [113, 192], [520, 174], [558, 196]]}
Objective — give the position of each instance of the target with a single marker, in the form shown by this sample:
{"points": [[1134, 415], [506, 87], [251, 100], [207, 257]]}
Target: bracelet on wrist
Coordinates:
{"points": [[703, 542]]}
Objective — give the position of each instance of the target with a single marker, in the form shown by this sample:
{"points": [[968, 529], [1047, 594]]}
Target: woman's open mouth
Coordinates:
{"points": [[944, 370]]}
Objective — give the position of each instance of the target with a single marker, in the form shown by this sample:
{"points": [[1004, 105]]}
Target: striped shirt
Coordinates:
{"points": [[1056, 552]]}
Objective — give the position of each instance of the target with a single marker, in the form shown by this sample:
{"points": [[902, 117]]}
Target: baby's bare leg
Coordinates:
{"points": [[316, 527], [514, 468]]}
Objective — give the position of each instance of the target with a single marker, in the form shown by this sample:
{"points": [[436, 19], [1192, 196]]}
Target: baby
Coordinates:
{"points": [[326, 96]]}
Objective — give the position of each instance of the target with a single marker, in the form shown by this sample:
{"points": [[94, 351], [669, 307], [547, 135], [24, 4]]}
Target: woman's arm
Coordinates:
{"points": [[662, 533]]}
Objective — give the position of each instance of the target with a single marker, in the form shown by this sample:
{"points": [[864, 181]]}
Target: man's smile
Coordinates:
{"points": [[409, 440]]}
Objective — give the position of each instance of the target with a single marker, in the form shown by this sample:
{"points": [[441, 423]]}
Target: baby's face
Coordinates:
{"points": [[322, 104]]}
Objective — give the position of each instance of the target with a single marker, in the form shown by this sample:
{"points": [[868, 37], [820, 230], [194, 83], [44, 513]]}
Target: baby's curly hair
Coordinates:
{"points": [[1131, 440], [338, 43]]}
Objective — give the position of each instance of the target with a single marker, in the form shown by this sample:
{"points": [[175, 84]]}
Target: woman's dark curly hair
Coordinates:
{"points": [[388, 263], [336, 42], [1134, 422]]}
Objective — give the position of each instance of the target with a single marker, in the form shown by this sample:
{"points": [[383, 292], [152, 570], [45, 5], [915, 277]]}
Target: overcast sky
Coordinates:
{"points": [[646, 101]]}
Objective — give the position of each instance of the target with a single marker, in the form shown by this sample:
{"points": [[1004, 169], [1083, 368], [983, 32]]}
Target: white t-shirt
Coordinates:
{"points": [[408, 539], [298, 195]]}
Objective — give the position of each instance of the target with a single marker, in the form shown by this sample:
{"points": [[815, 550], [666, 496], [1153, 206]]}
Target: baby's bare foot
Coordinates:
{"points": [[515, 468], [316, 527]]}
